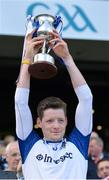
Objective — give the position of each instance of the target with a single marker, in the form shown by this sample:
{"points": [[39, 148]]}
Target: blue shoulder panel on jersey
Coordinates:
{"points": [[80, 141], [27, 144]]}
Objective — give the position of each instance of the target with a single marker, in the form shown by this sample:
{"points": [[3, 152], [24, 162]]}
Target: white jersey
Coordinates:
{"points": [[45, 160]]}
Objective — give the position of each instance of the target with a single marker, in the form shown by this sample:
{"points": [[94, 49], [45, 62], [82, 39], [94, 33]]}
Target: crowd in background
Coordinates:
{"points": [[11, 166], [10, 159], [98, 162]]}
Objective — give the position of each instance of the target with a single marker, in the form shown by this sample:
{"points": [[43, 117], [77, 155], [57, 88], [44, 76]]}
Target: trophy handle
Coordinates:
{"points": [[58, 22]]}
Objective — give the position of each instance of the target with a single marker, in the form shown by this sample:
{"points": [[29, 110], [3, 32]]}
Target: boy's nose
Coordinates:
{"points": [[56, 124]]}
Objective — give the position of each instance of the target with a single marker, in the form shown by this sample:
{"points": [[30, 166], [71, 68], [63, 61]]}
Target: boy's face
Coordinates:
{"points": [[53, 124]]}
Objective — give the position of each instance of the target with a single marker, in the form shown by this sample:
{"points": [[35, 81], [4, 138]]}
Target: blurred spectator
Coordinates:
{"points": [[96, 153], [12, 156], [2, 150], [3, 162], [94, 134], [19, 171], [103, 169], [7, 175], [2, 144], [8, 138]]}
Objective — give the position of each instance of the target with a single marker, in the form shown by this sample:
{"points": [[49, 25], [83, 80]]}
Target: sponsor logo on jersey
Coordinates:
{"points": [[47, 158]]}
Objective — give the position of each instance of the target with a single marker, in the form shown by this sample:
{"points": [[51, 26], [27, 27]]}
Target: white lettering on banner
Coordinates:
{"points": [[81, 19]]}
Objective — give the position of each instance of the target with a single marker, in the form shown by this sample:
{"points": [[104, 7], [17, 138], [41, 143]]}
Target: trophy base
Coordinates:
{"points": [[43, 67]]}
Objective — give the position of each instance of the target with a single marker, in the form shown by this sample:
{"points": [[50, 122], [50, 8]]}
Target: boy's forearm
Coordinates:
{"points": [[77, 78], [24, 77]]}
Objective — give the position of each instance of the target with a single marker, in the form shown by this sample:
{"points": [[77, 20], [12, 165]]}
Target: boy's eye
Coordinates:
{"points": [[50, 120], [60, 120]]}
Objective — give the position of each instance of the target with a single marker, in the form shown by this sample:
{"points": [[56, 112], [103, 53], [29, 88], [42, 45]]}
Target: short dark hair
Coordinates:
{"points": [[103, 159], [50, 102]]}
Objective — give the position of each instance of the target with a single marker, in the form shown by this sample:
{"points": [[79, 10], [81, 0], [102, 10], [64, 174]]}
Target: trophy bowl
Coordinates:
{"points": [[43, 66]]}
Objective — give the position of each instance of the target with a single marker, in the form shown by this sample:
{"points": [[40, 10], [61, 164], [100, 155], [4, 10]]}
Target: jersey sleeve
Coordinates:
{"points": [[83, 115], [24, 122], [27, 144], [80, 141]]}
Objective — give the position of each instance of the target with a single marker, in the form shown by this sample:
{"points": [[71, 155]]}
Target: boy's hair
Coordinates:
{"points": [[50, 102]]}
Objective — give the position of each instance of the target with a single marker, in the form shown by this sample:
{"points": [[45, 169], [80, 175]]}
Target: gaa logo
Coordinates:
{"points": [[78, 12]]}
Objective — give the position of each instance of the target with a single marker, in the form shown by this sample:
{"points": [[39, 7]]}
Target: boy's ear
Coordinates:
{"points": [[38, 122]]}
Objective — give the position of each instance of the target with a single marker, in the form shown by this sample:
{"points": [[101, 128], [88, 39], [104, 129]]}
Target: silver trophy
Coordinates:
{"points": [[43, 66]]}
